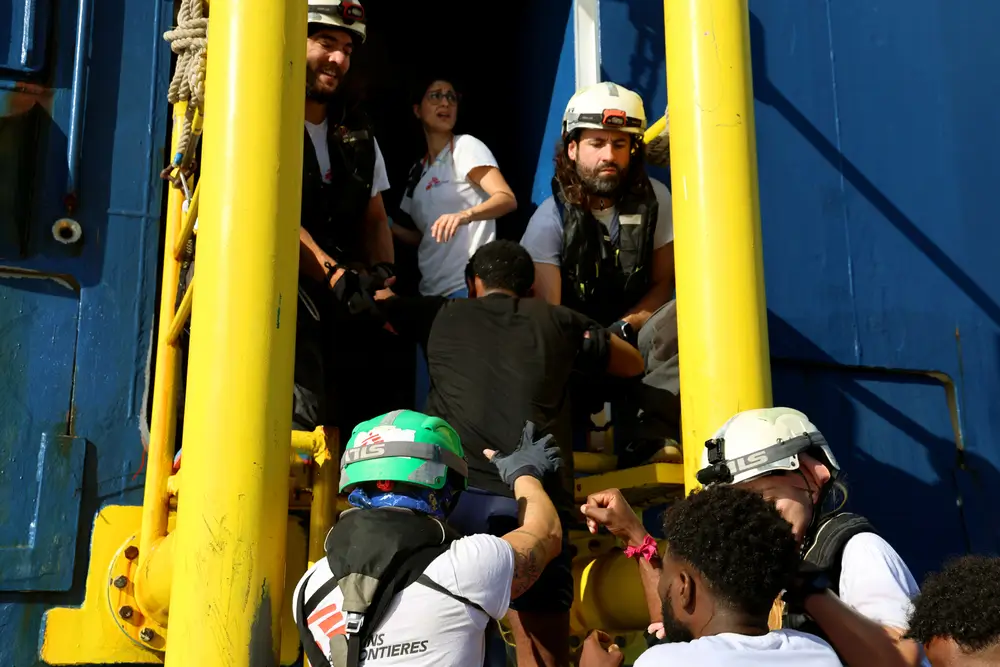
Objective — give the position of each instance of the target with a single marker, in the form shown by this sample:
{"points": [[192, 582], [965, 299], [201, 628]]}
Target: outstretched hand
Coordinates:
{"points": [[536, 458]]}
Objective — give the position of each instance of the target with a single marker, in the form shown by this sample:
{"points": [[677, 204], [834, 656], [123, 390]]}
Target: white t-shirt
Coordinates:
{"points": [[422, 627], [780, 647], [875, 581], [444, 188], [318, 134], [543, 237]]}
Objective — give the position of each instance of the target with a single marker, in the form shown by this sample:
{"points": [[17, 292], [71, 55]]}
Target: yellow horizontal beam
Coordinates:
{"points": [[654, 130], [645, 478]]}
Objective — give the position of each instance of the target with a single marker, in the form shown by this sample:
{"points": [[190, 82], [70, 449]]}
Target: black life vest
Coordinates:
{"points": [[333, 212], [824, 557], [602, 277], [373, 554]]}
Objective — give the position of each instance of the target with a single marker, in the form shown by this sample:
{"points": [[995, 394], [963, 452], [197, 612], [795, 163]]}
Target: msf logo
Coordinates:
{"points": [[371, 447], [748, 462]]}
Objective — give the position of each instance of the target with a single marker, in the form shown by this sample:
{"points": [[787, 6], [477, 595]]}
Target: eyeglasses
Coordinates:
{"points": [[436, 96]]}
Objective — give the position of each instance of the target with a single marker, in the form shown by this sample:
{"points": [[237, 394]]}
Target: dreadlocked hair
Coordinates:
{"points": [[636, 182], [962, 602], [738, 541]]}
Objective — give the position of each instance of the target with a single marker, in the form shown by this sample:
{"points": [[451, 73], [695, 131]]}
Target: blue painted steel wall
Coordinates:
{"points": [[877, 170], [74, 354]]}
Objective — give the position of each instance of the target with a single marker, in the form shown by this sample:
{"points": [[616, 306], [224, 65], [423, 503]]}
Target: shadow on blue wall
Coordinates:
{"points": [[766, 93], [927, 515], [633, 55]]}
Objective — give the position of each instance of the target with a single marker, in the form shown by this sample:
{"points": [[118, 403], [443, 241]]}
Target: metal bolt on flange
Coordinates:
{"points": [[121, 582], [132, 552], [147, 634], [125, 612]]}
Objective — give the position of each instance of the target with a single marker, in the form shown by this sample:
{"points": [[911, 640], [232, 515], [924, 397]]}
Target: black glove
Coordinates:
{"points": [[626, 332], [805, 585], [351, 289], [536, 458]]}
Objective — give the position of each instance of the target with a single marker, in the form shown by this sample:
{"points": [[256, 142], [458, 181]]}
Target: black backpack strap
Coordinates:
{"points": [[433, 585], [354, 650], [389, 587], [305, 608]]}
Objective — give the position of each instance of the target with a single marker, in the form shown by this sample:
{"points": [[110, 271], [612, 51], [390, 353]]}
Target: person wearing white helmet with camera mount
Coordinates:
{"points": [[344, 228], [854, 590], [603, 246]]}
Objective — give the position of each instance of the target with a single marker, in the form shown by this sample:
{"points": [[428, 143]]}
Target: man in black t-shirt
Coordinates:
{"points": [[495, 361]]}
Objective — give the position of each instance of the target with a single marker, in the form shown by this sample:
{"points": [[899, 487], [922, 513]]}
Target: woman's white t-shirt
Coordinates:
{"points": [[422, 627], [445, 188]]}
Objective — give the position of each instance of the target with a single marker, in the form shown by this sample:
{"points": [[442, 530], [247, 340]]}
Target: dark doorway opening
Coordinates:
{"points": [[503, 61]]}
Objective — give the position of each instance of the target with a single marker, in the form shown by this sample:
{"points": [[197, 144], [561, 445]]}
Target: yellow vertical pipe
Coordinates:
{"points": [[226, 598], [163, 423], [323, 512], [721, 313]]}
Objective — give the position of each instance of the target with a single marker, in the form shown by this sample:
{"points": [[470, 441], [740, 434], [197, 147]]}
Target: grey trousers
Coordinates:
{"points": [[658, 397]]}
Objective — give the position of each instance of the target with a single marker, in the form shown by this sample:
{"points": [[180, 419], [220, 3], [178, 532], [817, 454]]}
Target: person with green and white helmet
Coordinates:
{"points": [[853, 589], [398, 586]]}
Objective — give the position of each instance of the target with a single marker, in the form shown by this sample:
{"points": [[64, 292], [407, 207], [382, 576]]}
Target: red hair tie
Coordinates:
{"points": [[646, 549]]}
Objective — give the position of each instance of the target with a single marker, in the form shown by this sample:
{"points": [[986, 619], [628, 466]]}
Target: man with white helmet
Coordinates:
{"points": [[853, 589], [603, 245], [344, 227]]}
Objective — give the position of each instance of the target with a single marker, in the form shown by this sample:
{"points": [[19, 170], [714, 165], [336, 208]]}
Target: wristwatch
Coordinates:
{"points": [[626, 332]]}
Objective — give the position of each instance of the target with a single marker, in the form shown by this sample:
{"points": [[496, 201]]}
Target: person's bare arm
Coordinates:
{"points": [[377, 237], [660, 290], [538, 540], [548, 283], [313, 259], [624, 361], [859, 640], [610, 509], [501, 202]]}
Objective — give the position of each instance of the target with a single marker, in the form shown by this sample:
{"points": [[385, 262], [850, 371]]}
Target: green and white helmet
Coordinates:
{"points": [[754, 443], [404, 446]]}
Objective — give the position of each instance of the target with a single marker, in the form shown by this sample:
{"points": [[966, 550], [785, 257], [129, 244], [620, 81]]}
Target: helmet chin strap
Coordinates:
{"points": [[816, 508]]}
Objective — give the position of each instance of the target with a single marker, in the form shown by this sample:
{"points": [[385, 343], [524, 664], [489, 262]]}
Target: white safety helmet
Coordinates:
{"points": [[605, 106], [343, 14], [759, 442]]}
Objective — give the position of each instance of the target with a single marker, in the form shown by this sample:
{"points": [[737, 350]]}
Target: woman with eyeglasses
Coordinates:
{"points": [[454, 195]]}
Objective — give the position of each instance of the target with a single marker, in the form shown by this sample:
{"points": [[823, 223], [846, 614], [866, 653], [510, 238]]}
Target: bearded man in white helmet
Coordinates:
{"points": [[344, 235], [603, 246], [852, 589]]}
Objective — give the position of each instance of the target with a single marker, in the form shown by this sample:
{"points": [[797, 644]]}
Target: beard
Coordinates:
{"points": [[674, 631], [319, 93], [597, 183]]}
